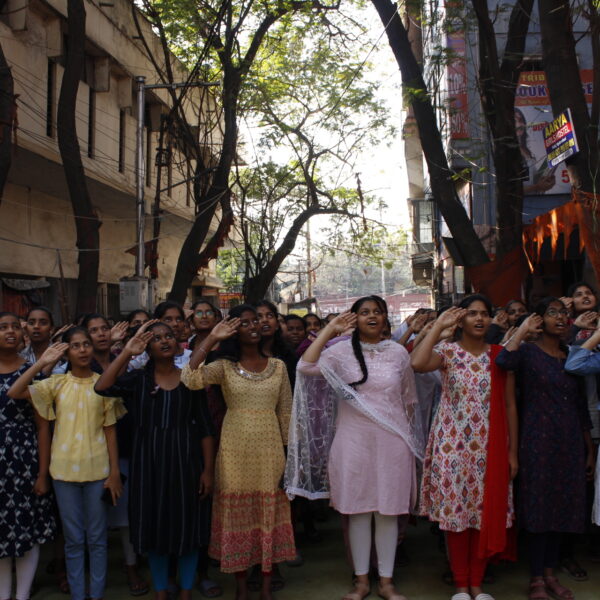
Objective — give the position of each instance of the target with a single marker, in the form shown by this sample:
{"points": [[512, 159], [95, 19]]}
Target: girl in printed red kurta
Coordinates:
{"points": [[466, 485]]}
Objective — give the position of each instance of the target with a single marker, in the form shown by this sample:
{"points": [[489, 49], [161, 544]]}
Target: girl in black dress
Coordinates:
{"points": [[172, 459]]}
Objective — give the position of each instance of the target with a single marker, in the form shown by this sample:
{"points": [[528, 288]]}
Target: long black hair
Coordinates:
{"points": [[356, 347], [230, 348], [69, 333]]}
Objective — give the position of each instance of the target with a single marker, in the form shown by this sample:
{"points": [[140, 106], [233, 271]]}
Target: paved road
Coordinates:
{"points": [[326, 575]]}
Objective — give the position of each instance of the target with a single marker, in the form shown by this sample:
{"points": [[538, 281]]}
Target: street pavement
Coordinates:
{"points": [[326, 575]]}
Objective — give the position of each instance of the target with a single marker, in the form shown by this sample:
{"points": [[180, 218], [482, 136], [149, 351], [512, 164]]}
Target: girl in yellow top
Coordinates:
{"points": [[83, 457]]}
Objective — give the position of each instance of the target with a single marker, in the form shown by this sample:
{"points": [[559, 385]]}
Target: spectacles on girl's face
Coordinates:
{"points": [[554, 312], [78, 345], [204, 313]]}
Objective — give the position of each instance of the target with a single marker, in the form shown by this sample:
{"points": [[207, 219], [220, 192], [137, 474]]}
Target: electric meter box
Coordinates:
{"points": [[133, 294]]}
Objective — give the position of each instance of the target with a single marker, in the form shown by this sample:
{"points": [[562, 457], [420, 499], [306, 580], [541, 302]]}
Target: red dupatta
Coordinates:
{"points": [[494, 538]]}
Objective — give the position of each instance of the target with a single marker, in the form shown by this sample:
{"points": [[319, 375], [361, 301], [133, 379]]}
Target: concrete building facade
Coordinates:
{"points": [[38, 256]]}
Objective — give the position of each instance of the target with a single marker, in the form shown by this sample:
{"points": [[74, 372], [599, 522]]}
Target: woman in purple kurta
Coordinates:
{"points": [[554, 442]]}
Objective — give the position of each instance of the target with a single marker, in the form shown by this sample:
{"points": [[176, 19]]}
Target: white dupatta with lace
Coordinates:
{"points": [[319, 386]]}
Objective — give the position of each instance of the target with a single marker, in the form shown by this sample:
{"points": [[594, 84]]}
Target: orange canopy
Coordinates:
{"points": [[581, 212], [502, 279]]}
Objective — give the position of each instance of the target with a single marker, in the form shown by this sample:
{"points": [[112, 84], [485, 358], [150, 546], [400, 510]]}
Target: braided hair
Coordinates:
{"points": [[356, 347]]}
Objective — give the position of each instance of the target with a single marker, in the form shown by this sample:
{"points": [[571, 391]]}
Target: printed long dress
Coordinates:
{"points": [[25, 519], [456, 455], [553, 416], [166, 515], [251, 514]]}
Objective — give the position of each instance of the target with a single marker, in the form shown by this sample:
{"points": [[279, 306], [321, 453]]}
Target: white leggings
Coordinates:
{"points": [[26, 567], [386, 540]]}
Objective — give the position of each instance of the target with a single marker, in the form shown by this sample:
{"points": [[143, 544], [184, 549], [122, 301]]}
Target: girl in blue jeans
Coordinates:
{"points": [[83, 457]]}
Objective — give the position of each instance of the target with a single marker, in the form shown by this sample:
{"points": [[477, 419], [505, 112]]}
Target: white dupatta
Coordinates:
{"points": [[318, 389]]}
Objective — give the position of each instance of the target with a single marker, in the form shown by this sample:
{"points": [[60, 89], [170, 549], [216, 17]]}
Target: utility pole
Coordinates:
{"points": [[140, 168], [136, 292], [140, 162]]}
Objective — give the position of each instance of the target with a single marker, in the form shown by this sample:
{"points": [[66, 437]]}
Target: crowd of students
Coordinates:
{"points": [[201, 438]]}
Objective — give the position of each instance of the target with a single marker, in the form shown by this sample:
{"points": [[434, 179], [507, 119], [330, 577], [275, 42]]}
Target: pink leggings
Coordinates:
{"points": [[467, 568]]}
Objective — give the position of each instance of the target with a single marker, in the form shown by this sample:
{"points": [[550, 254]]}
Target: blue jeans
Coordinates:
{"points": [[84, 516]]}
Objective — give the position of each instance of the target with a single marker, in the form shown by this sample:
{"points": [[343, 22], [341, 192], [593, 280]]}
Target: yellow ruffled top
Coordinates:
{"points": [[79, 451]]}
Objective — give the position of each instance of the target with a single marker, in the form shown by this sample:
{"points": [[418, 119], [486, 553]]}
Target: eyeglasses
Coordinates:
{"points": [[205, 313], [552, 312], [78, 345]]}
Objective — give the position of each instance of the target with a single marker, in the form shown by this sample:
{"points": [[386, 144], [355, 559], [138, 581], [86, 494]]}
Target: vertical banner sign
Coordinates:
{"points": [[533, 114], [560, 139], [457, 86]]}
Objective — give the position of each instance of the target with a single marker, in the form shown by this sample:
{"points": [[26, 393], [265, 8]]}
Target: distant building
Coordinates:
{"points": [[37, 231], [450, 62]]}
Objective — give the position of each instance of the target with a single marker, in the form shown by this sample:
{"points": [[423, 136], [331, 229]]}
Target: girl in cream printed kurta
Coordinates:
{"points": [[251, 514]]}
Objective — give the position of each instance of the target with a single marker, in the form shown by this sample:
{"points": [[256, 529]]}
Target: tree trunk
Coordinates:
{"points": [[7, 115], [498, 84], [188, 261], [86, 220], [564, 85], [255, 287], [442, 185]]}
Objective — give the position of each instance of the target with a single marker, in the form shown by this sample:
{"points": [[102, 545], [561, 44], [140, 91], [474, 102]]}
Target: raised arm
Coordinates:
{"points": [[19, 389], [532, 325], [423, 357], [221, 331], [136, 345], [335, 327]]}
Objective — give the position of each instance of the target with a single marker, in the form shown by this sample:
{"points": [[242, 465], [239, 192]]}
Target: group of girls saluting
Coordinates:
{"points": [[138, 410]]}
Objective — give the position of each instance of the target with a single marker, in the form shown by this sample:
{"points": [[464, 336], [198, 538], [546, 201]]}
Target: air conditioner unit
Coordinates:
{"points": [[133, 294]]}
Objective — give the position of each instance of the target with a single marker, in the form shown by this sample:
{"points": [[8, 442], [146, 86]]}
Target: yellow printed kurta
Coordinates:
{"points": [[251, 514], [79, 451]]}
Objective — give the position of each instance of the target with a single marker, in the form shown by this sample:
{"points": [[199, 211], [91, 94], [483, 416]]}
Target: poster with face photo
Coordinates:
{"points": [[532, 112]]}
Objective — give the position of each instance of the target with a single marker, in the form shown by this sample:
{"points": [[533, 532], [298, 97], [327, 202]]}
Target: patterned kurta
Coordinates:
{"points": [[552, 421], [456, 455], [25, 519], [251, 514]]}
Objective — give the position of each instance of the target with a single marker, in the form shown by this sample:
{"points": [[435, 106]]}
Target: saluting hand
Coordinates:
{"points": [[587, 320], [532, 325], [225, 329], [450, 318], [58, 333], [137, 344], [53, 354], [342, 322], [118, 331]]}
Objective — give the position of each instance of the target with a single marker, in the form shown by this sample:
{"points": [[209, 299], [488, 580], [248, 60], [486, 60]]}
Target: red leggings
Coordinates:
{"points": [[467, 568]]}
